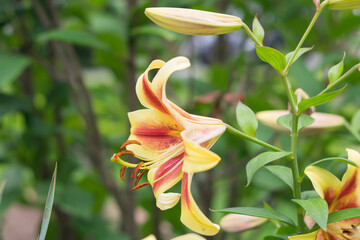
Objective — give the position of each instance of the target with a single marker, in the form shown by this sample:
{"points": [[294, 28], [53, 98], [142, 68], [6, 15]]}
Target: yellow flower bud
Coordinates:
{"points": [[193, 22], [344, 4]]}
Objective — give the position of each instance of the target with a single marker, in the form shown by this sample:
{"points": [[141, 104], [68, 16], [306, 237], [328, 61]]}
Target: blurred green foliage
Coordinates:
{"points": [[67, 74]]}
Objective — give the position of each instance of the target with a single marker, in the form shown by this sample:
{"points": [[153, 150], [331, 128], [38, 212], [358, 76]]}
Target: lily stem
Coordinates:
{"points": [[351, 130], [252, 139], [340, 79], [251, 35], [317, 14]]}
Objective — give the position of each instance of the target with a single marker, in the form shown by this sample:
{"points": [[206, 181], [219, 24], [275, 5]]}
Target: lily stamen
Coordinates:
{"points": [[128, 142], [138, 166], [122, 171], [139, 175], [140, 186]]}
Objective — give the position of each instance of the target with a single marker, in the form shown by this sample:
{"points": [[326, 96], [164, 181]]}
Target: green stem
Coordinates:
{"points": [[340, 79], [317, 14], [295, 170], [289, 93], [251, 35], [252, 139]]}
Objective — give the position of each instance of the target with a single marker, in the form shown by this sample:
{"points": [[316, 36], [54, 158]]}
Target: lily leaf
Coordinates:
{"points": [[272, 56], [11, 67], [336, 71], [246, 119], [73, 36], [318, 100], [317, 208], [261, 160], [258, 30], [344, 214], [258, 212], [298, 54], [339, 159], [48, 207], [286, 121], [282, 172]]}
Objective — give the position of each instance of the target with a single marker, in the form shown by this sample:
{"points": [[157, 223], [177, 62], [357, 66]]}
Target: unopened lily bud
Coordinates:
{"points": [[317, 4], [239, 223], [344, 4], [301, 95], [323, 121], [193, 22]]}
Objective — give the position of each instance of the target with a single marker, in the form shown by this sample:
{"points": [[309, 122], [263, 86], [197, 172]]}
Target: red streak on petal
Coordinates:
{"points": [[350, 185], [329, 196], [185, 198], [167, 166], [151, 97], [151, 132]]}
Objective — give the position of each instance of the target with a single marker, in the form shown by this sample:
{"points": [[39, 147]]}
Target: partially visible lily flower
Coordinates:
{"points": [[193, 22], [339, 195], [189, 236], [344, 4], [172, 144], [238, 223]]}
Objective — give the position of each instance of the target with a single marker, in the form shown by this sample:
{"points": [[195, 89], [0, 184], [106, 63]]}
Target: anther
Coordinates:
{"points": [[139, 175], [122, 171], [130, 142], [140, 186], [136, 169], [355, 228], [124, 152]]}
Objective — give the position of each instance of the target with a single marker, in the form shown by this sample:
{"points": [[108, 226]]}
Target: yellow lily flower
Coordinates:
{"points": [[172, 143], [189, 236], [193, 22], [339, 195]]}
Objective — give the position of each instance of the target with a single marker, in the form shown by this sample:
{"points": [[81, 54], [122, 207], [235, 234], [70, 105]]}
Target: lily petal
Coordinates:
{"points": [[325, 183], [156, 131], [145, 92], [309, 236], [189, 236], [197, 141], [191, 215], [164, 177]]}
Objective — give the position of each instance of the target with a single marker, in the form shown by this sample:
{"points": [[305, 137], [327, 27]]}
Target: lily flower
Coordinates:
{"points": [[339, 195], [172, 144], [188, 236], [193, 22]]}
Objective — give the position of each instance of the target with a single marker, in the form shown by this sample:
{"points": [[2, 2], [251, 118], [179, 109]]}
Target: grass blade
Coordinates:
{"points": [[48, 207]]}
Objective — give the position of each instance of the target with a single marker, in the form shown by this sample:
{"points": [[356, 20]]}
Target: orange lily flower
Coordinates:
{"points": [[172, 143], [339, 195]]}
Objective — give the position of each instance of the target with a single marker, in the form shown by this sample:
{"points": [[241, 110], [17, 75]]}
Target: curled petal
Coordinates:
{"points": [[191, 215], [164, 177], [150, 237], [156, 131], [197, 141], [325, 183], [309, 236], [145, 91]]}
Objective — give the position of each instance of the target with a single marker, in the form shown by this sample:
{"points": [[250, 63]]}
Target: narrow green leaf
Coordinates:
{"points": [[298, 54], [154, 30], [261, 160], [2, 186], [282, 172], [336, 71], [344, 214], [258, 212], [309, 194], [318, 100], [303, 121], [73, 36], [339, 159], [48, 207], [272, 56], [355, 121], [246, 119], [11, 67], [317, 208], [276, 237], [258, 30]]}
